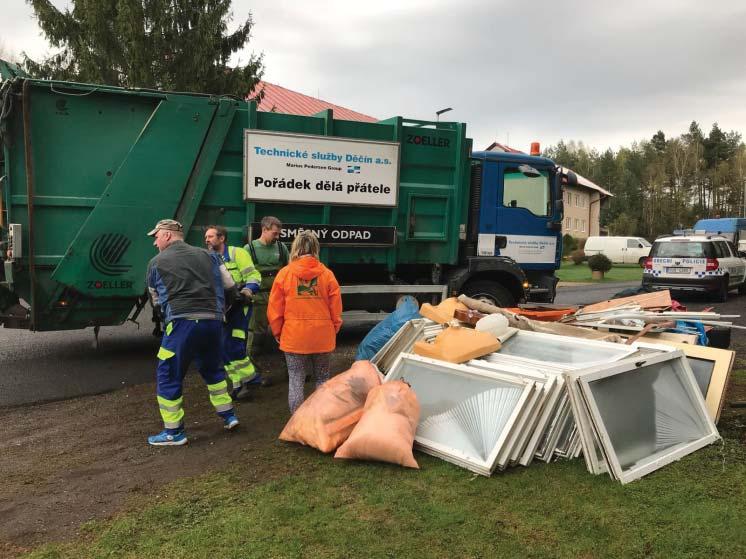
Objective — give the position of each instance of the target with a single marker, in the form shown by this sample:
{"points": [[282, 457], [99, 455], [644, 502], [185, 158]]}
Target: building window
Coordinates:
{"points": [[577, 200], [582, 225], [568, 223], [577, 224]]}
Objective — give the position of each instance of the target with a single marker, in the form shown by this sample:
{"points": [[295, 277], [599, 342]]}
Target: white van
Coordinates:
{"points": [[620, 250]]}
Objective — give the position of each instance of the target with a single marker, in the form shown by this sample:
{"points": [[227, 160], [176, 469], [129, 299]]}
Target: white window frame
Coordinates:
{"points": [[548, 394], [656, 462], [456, 455], [588, 436], [722, 360], [577, 224], [582, 225], [540, 337], [401, 342]]}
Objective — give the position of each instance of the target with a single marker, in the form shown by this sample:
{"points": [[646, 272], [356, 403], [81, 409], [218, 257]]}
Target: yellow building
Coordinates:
{"points": [[583, 208]]}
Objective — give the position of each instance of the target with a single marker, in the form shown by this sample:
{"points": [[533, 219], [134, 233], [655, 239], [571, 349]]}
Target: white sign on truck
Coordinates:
{"points": [[280, 167], [524, 249]]}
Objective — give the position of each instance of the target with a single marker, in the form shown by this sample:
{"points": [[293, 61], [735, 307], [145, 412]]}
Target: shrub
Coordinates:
{"points": [[577, 256], [568, 244], [581, 243], [599, 263]]}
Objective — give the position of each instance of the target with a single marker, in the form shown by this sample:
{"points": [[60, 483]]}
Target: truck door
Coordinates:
{"points": [[515, 213]]}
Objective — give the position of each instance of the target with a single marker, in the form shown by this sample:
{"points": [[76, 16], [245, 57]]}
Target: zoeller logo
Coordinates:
{"points": [[107, 252]]}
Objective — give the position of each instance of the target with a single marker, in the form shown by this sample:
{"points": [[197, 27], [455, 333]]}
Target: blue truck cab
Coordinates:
{"points": [[732, 228], [517, 211]]}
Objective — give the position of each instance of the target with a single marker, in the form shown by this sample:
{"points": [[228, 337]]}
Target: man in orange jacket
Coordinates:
{"points": [[305, 314]]}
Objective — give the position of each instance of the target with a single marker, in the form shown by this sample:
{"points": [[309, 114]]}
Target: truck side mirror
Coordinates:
{"points": [[559, 206], [571, 179]]}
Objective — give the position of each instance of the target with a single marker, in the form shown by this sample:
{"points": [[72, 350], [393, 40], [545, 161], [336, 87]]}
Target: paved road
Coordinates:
{"points": [[36, 367], [590, 293]]}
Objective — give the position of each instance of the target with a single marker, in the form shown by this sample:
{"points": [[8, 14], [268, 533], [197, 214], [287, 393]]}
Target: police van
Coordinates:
{"points": [[703, 263]]}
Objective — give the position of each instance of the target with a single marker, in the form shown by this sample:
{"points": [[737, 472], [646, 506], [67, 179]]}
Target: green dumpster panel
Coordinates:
{"points": [[107, 163]]}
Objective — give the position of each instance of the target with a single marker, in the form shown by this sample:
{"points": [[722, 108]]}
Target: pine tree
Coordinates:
{"points": [[176, 45]]}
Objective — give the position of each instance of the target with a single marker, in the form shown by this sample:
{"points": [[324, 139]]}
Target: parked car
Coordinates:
{"points": [[620, 250], [695, 263]]}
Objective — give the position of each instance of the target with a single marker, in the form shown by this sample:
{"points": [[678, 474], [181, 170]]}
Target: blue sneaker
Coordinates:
{"points": [[230, 422], [164, 438]]}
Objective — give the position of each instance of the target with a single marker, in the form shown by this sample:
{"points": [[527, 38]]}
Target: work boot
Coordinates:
{"points": [[243, 392], [230, 422], [170, 437]]}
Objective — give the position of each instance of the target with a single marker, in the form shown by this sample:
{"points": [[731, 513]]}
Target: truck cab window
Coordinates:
{"points": [[531, 193]]}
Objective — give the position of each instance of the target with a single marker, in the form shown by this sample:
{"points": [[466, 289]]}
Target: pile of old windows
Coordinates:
{"points": [[627, 409]]}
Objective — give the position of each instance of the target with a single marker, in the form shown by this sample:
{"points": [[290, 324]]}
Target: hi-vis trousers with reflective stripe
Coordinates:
{"points": [[185, 341], [237, 363]]}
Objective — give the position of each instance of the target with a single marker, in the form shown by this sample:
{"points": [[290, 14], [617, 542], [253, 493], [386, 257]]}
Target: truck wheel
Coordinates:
{"points": [[489, 292]]}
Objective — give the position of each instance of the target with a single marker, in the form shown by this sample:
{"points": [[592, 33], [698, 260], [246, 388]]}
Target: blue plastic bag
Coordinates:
{"points": [[692, 327], [384, 330]]}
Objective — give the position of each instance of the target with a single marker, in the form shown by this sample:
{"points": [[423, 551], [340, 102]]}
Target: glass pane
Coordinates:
{"points": [[679, 249], [702, 369], [562, 351], [520, 191], [459, 410], [647, 412]]}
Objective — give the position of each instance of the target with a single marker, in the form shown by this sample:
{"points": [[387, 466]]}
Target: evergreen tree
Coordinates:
{"points": [[177, 45]]}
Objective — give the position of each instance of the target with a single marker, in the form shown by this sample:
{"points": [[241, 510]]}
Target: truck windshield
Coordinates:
{"points": [[531, 193]]}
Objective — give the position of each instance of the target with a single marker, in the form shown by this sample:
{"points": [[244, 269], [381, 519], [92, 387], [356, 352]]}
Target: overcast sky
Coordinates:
{"points": [[605, 73]]}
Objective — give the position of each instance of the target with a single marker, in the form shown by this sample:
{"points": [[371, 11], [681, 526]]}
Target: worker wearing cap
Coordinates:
{"points": [[237, 261], [269, 256], [189, 285]]}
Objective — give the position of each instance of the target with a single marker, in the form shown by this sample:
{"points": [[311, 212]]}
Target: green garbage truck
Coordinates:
{"points": [[400, 206]]}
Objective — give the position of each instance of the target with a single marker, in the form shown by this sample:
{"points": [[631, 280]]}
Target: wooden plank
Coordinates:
{"points": [[655, 300]]}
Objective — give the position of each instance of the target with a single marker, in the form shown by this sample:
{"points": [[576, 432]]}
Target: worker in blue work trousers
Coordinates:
{"points": [[189, 286], [239, 264]]}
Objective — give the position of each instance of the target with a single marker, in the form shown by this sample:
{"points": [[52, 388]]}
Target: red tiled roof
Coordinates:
{"points": [[287, 101], [495, 146]]}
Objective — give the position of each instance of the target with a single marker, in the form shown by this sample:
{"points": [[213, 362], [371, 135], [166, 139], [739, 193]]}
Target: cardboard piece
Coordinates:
{"points": [[443, 312], [458, 345]]}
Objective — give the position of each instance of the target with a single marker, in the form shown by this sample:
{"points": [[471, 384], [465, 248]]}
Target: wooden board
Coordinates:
{"points": [[655, 300]]}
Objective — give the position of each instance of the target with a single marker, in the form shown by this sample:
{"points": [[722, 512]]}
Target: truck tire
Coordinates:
{"points": [[489, 292]]}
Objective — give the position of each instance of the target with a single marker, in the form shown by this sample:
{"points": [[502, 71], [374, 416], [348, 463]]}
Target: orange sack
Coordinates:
{"points": [[386, 430], [327, 417]]}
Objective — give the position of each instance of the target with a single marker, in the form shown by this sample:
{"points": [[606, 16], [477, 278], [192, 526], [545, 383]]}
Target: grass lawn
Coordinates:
{"points": [[315, 506], [582, 273]]}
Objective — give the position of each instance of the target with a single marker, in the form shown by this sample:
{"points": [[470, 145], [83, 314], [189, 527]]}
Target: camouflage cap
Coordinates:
{"points": [[168, 225]]}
